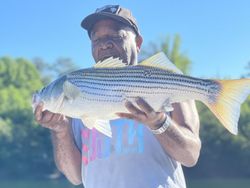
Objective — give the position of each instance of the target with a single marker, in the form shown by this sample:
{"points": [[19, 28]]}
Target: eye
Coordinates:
{"points": [[117, 38], [68, 99], [95, 41]]}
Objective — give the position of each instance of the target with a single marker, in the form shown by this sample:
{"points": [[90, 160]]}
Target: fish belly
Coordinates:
{"points": [[105, 106]]}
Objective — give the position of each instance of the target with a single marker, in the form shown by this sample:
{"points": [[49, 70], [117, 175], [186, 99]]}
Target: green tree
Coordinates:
{"points": [[223, 154], [247, 74], [24, 146], [50, 71]]}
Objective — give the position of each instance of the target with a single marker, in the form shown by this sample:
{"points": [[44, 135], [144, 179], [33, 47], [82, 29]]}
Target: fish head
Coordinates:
{"points": [[51, 96]]}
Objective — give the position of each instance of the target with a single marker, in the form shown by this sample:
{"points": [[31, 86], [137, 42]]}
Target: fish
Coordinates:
{"points": [[96, 94]]}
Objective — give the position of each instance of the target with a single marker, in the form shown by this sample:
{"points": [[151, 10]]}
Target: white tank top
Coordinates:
{"points": [[132, 158]]}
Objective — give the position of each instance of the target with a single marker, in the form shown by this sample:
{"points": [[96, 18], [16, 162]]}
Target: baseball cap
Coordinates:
{"points": [[115, 12]]}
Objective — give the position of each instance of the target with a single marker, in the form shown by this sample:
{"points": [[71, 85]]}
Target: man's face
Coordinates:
{"points": [[109, 38]]}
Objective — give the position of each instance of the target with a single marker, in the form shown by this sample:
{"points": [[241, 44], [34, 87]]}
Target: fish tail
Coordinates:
{"points": [[226, 107]]}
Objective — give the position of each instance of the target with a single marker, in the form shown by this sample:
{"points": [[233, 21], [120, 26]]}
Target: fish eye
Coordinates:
{"points": [[67, 98]]}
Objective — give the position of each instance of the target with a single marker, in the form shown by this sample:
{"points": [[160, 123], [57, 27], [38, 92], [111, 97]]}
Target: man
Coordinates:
{"points": [[147, 147]]}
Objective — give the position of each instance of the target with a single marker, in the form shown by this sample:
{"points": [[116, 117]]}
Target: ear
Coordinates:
{"points": [[138, 41]]}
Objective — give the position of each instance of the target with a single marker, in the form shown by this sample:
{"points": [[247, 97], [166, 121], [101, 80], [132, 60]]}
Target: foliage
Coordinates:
{"points": [[223, 154], [247, 67], [49, 71], [24, 145]]}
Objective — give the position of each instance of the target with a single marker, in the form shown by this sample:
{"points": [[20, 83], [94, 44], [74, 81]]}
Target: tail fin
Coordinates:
{"points": [[227, 106]]}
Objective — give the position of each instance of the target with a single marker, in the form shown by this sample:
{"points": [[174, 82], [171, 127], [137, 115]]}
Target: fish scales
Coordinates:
{"points": [[114, 83], [138, 76]]}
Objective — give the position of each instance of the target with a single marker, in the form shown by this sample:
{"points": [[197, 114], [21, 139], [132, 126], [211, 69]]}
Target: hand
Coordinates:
{"points": [[145, 114], [47, 119]]}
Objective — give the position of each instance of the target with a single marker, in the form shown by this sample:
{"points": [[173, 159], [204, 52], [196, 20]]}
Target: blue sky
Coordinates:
{"points": [[215, 34]]}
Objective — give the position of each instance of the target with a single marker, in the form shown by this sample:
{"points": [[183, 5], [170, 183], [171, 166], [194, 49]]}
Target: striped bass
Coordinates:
{"points": [[96, 94]]}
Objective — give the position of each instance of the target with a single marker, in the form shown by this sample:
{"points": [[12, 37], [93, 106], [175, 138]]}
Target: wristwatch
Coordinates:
{"points": [[163, 128]]}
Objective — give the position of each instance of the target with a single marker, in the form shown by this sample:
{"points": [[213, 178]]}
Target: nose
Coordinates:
{"points": [[106, 44]]}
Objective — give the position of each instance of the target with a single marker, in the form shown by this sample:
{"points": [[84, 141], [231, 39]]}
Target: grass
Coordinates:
{"points": [[199, 183]]}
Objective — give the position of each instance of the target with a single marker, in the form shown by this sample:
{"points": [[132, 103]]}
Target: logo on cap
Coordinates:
{"points": [[113, 9], [108, 8]]}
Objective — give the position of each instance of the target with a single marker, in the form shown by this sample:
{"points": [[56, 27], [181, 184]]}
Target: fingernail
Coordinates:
{"points": [[139, 99], [40, 104], [118, 114], [128, 103], [38, 118]]}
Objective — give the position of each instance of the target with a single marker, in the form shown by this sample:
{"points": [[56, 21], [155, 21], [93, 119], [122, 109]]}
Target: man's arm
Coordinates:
{"points": [[181, 139], [66, 154]]}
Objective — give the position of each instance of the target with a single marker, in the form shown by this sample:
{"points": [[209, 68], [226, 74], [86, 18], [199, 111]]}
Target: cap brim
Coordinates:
{"points": [[90, 20]]}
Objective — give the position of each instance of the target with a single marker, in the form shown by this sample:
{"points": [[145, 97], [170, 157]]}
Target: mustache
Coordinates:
{"points": [[104, 55]]}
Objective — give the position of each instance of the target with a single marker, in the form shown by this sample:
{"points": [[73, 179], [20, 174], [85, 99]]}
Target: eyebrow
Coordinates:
{"points": [[118, 26]]}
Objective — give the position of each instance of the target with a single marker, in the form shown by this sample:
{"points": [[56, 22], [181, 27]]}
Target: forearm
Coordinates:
{"points": [[67, 156], [180, 145], [181, 140]]}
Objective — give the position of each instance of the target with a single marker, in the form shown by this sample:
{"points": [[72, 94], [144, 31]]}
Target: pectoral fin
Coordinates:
{"points": [[88, 122], [102, 126]]}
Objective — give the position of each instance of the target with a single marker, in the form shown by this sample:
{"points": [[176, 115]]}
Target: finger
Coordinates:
{"points": [[133, 109], [126, 115], [144, 106], [38, 112], [54, 122], [47, 116], [58, 117]]}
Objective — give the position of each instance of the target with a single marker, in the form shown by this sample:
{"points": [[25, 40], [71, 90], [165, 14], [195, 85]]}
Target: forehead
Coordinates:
{"points": [[106, 26]]}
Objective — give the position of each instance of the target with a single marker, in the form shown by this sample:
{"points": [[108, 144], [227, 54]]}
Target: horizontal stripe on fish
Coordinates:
{"points": [[99, 94], [151, 79], [135, 84], [143, 83], [129, 76], [101, 91], [138, 74]]}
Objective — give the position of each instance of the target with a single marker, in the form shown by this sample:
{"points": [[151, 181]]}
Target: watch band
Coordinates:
{"points": [[163, 128]]}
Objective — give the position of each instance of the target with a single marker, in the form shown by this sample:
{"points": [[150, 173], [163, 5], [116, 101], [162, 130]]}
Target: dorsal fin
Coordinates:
{"points": [[110, 63], [161, 61]]}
